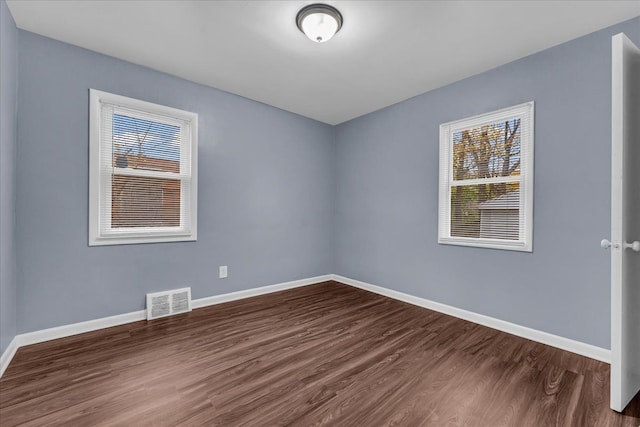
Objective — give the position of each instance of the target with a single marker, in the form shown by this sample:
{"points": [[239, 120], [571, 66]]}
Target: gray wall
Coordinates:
{"points": [[282, 197], [264, 202], [8, 122], [387, 197]]}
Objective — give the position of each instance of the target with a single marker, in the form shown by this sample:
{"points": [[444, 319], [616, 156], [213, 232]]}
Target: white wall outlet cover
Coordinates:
{"points": [[222, 272]]}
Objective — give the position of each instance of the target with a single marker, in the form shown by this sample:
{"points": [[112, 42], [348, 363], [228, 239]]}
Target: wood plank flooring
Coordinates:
{"points": [[325, 354]]}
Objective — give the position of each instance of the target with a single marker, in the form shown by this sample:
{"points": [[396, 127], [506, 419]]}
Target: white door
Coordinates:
{"points": [[625, 222]]}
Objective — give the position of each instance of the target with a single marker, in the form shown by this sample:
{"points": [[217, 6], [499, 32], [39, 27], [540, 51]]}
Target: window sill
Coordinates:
{"points": [[487, 243], [132, 240]]}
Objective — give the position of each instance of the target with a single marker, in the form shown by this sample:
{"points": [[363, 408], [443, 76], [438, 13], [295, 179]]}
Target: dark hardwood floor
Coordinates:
{"points": [[325, 354]]}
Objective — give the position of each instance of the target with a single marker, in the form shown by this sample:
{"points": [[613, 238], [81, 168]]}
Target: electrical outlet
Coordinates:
{"points": [[223, 272]]}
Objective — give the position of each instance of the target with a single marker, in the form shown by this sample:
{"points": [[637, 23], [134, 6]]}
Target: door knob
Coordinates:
{"points": [[634, 246], [604, 243]]}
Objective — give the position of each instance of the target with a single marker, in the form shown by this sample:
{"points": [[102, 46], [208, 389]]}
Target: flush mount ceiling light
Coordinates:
{"points": [[319, 21]]}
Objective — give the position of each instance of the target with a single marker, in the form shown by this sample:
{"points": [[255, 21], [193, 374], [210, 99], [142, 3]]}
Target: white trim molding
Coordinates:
{"points": [[79, 328], [583, 349], [135, 316], [567, 344], [248, 293], [524, 179], [104, 107], [7, 355]]}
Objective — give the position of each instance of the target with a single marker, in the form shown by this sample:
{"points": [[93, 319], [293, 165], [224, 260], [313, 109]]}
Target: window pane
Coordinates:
{"points": [[145, 144], [490, 211], [488, 151], [144, 202]]}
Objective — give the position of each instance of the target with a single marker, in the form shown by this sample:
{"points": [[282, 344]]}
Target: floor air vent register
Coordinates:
{"points": [[168, 303]]}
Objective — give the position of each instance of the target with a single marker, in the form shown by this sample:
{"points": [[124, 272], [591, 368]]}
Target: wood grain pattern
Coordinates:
{"points": [[325, 354]]}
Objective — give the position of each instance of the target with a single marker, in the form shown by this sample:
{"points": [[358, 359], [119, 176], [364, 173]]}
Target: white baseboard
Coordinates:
{"points": [[563, 343], [49, 334], [79, 328], [7, 355], [35, 337], [248, 293], [134, 316]]}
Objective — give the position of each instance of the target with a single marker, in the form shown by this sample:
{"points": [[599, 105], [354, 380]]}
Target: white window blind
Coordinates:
{"points": [[142, 172], [486, 180]]}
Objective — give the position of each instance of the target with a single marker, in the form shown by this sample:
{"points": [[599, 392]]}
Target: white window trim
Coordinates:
{"points": [[446, 182], [99, 196]]}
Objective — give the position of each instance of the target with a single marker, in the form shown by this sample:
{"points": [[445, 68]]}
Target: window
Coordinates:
{"points": [[142, 172], [486, 180]]}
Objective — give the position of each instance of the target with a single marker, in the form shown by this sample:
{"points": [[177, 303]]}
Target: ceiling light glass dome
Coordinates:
{"points": [[319, 22]]}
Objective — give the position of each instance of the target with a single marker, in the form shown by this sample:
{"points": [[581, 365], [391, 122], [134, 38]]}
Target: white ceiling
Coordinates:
{"points": [[387, 51]]}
